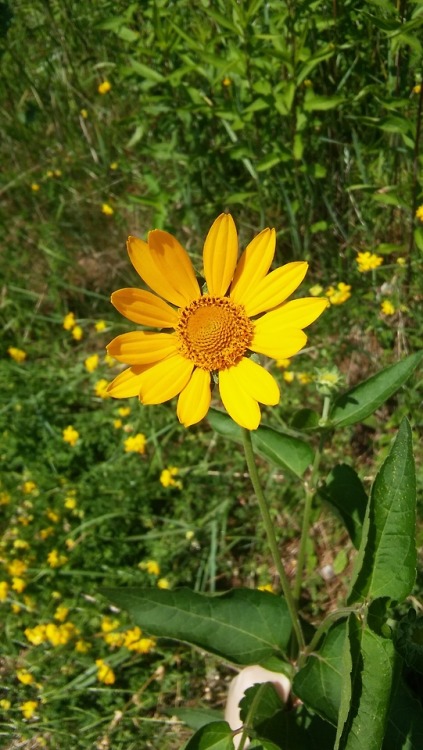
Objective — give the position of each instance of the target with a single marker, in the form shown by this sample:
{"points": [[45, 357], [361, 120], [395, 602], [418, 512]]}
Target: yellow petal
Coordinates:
{"points": [[165, 379], [194, 399], [163, 266], [144, 308], [299, 313], [257, 382], [142, 347], [126, 384], [220, 254], [253, 264], [274, 288], [275, 344], [243, 409]]}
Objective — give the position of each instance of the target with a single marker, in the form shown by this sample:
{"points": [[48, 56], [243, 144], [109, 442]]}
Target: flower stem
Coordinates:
{"points": [[271, 537]]}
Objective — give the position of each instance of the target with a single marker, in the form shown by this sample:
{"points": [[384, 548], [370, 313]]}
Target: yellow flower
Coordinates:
{"points": [[92, 362], [368, 261], [55, 560], [83, 113], [100, 326], [25, 677], [70, 544], [100, 388], [151, 566], [135, 443], [28, 709], [316, 290], [81, 646], [387, 308], [52, 515], [18, 584], [108, 624], [283, 363], [77, 333], [419, 213], [57, 172], [117, 424], [124, 411], [29, 487], [339, 295], [61, 613], [401, 261], [69, 321], [167, 477], [36, 635], [288, 376], [114, 165], [105, 673], [215, 332], [4, 588], [45, 533], [304, 378], [106, 209], [417, 88], [104, 87], [35, 187], [226, 81], [60, 635], [163, 583], [134, 642], [49, 173], [70, 435], [70, 502], [266, 587], [4, 498], [17, 567], [5, 704], [18, 355]]}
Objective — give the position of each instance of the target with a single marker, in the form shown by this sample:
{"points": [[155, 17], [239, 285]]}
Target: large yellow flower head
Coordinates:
{"points": [[212, 333]]}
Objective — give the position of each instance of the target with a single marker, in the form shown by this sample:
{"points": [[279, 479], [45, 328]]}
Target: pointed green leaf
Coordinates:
{"points": [[287, 452], [375, 672], [346, 688], [260, 702], [319, 682], [344, 491], [195, 718], [365, 398], [244, 626], [215, 736], [386, 563], [405, 721]]}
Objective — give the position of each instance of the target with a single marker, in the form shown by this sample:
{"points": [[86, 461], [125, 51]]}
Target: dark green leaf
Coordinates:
{"points": [[365, 398], [259, 703], [287, 452], [195, 718], [344, 491], [244, 626], [386, 563], [305, 419], [405, 721], [215, 736]]}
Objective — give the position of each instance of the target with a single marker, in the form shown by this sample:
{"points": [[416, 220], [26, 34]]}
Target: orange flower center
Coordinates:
{"points": [[214, 333]]}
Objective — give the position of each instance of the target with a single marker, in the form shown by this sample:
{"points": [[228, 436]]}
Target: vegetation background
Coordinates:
{"points": [[116, 118]]}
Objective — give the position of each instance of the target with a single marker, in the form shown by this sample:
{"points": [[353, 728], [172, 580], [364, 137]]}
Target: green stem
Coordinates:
{"points": [[271, 537], [310, 491]]}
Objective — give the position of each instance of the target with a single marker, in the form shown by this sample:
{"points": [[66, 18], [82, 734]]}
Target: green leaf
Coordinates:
{"points": [[305, 419], [405, 721], [319, 682], [263, 745], [386, 563], [375, 671], [260, 702], [287, 452], [215, 736], [365, 398], [346, 689], [146, 72], [244, 626], [344, 492], [195, 718], [313, 102]]}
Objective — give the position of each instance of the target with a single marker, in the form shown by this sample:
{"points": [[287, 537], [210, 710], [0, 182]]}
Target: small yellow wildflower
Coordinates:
{"points": [[151, 566], [419, 213], [134, 641], [82, 647], [417, 88], [77, 333], [387, 308], [114, 165], [338, 295], [124, 411], [55, 560], [316, 290], [36, 635], [114, 639], [109, 360], [70, 544], [101, 325], [17, 567], [57, 172], [45, 533], [107, 210], [267, 586], [52, 515], [25, 677], [18, 584], [16, 608], [105, 673], [70, 435], [61, 613], [49, 173], [18, 355], [20, 544], [60, 635], [92, 362], [4, 498], [401, 261], [29, 487], [288, 376], [117, 424], [368, 261], [84, 113], [4, 588], [189, 536], [104, 87], [167, 477], [100, 388], [5, 704], [70, 502], [283, 363], [163, 583], [69, 321], [135, 443], [108, 624], [35, 187], [307, 83], [226, 81], [304, 378], [28, 709]]}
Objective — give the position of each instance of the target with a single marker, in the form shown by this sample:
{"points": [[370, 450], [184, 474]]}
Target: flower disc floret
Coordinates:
{"points": [[214, 333]]}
